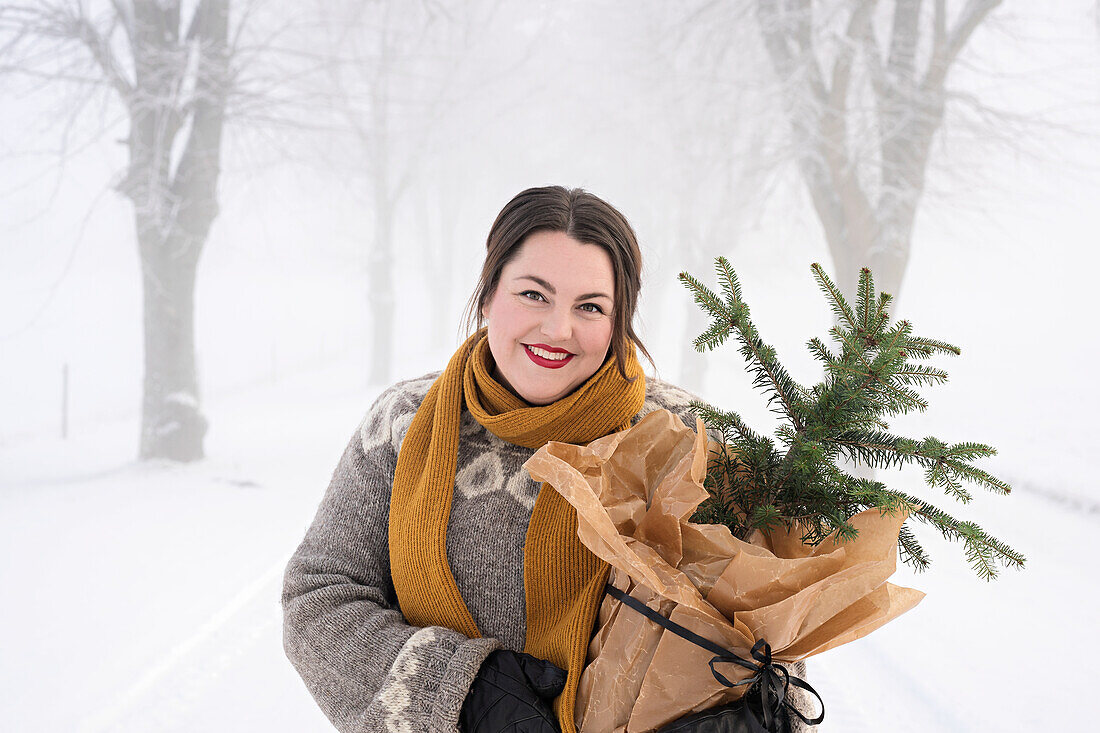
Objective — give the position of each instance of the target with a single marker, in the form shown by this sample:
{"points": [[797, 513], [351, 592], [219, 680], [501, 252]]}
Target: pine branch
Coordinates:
{"points": [[864, 298], [880, 449], [923, 347], [982, 550], [755, 484], [706, 298], [881, 312], [821, 352], [920, 375], [712, 415], [733, 315], [912, 553], [728, 278], [836, 300]]}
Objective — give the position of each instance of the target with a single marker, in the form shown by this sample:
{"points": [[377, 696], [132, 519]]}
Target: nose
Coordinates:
{"points": [[557, 327]]}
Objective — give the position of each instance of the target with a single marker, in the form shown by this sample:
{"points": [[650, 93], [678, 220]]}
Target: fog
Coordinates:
{"points": [[143, 595]]}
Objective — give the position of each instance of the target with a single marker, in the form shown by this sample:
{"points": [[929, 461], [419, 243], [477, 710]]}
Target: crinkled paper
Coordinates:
{"points": [[634, 492]]}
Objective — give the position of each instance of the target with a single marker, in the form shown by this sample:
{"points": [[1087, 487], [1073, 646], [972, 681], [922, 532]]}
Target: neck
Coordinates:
{"points": [[499, 378]]}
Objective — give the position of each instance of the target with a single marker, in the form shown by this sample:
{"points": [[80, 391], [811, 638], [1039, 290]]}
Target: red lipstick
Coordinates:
{"points": [[548, 363]]}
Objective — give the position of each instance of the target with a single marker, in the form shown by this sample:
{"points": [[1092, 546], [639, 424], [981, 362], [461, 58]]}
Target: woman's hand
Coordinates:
{"points": [[512, 692]]}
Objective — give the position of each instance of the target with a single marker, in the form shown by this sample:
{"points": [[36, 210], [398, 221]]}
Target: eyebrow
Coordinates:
{"points": [[550, 287]]}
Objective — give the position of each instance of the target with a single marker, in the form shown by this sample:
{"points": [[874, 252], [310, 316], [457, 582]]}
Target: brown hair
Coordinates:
{"points": [[584, 217]]}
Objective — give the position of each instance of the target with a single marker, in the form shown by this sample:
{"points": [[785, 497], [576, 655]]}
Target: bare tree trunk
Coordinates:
{"points": [[380, 261], [173, 79], [174, 209], [395, 97], [867, 222], [438, 240], [172, 424], [380, 276]]}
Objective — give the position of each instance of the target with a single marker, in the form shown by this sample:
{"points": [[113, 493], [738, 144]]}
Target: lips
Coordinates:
{"points": [[547, 363], [551, 349]]}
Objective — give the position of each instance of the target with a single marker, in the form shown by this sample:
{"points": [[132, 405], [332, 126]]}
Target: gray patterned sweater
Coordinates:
{"points": [[365, 666]]}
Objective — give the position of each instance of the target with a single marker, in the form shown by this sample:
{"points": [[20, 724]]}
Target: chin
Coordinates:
{"points": [[535, 397], [546, 396]]}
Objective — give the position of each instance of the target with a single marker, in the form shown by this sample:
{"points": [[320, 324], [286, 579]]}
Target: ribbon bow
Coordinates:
{"points": [[771, 679]]}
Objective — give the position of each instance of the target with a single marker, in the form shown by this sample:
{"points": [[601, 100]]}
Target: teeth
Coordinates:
{"points": [[547, 355]]}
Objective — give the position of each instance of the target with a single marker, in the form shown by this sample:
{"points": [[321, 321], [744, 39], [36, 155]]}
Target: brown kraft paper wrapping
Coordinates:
{"points": [[634, 491]]}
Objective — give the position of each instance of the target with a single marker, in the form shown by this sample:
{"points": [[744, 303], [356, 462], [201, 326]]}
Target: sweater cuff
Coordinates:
{"points": [[806, 703], [456, 681]]}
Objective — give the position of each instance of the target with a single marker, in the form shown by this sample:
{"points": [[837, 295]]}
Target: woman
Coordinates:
{"points": [[439, 587]]}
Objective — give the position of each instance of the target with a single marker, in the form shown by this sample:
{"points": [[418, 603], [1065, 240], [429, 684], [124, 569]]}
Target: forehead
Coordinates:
{"points": [[564, 262]]}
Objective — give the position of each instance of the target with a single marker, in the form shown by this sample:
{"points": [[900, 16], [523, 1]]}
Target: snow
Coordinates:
{"points": [[182, 399], [1015, 654], [145, 597]]}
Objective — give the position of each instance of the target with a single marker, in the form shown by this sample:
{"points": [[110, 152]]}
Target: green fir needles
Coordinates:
{"points": [[755, 484]]}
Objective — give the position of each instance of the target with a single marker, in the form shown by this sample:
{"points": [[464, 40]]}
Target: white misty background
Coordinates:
{"points": [[346, 162]]}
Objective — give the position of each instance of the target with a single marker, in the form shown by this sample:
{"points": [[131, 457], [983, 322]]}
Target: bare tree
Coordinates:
{"points": [[405, 75], [706, 182], [865, 172], [861, 89], [171, 76], [175, 70]]}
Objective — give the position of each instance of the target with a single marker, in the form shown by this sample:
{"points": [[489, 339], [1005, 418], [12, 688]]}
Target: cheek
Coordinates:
{"points": [[505, 319], [503, 316], [599, 340]]}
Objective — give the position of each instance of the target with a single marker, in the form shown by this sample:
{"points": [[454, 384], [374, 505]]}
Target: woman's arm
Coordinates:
{"points": [[365, 666]]}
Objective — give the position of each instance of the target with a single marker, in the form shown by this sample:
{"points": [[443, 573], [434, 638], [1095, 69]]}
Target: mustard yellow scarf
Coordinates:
{"points": [[563, 581]]}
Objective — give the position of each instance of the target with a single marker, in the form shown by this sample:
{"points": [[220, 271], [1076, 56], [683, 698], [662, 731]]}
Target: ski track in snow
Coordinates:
{"points": [[163, 693]]}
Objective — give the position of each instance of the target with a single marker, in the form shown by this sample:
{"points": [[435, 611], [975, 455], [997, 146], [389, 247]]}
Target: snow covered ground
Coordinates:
{"points": [[146, 597]]}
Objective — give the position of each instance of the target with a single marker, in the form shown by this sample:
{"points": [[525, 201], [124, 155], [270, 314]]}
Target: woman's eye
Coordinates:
{"points": [[537, 296]]}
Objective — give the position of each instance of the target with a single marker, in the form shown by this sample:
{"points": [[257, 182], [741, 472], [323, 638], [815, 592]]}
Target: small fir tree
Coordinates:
{"points": [[755, 484]]}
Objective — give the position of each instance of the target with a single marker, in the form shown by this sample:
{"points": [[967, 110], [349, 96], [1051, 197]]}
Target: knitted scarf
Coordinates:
{"points": [[563, 581]]}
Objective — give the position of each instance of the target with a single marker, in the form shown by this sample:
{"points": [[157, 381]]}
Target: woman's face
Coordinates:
{"points": [[555, 295]]}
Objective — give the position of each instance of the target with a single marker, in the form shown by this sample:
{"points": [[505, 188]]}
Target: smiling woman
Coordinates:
{"points": [[584, 242], [439, 587], [547, 340]]}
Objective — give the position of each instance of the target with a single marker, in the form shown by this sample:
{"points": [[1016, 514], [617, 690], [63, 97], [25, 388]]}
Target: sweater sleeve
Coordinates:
{"points": [[365, 666]]}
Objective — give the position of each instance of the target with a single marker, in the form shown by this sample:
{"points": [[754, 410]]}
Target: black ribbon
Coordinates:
{"points": [[770, 678]]}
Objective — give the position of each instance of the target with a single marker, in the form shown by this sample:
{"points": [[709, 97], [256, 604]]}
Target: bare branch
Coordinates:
{"points": [[99, 45], [903, 42], [944, 55], [64, 24], [202, 152], [124, 13], [939, 27], [858, 28]]}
